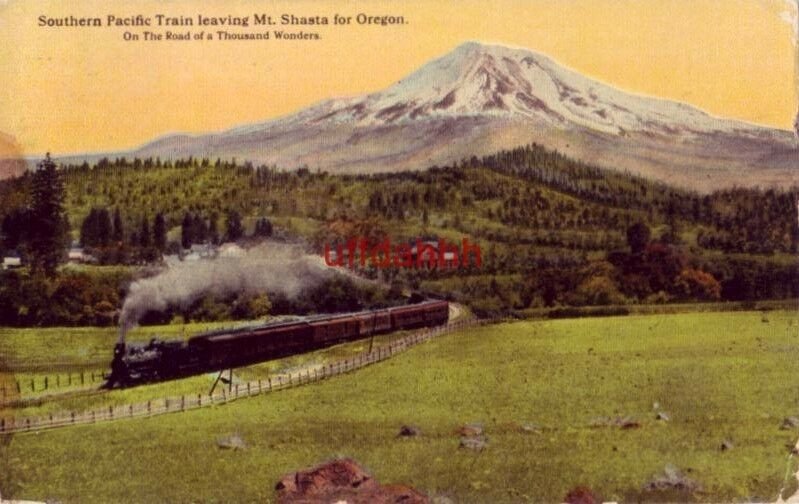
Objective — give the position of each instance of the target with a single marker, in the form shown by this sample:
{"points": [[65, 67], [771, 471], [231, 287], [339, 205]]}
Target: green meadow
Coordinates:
{"points": [[717, 377]]}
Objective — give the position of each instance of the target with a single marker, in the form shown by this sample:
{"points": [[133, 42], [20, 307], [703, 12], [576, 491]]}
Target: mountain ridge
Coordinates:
{"points": [[479, 98]]}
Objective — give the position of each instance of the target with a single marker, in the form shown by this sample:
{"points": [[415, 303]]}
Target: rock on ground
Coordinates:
{"points": [[581, 495], [478, 443], [789, 423], [233, 442], [409, 431], [672, 479], [342, 480], [471, 430]]}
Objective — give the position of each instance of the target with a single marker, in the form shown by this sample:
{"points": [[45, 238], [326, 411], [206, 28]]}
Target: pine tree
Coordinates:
{"points": [[213, 227], [89, 229], [48, 234], [186, 231], [199, 229], [104, 229], [234, 228], [119, 231], [144, 233], [159, 232]]}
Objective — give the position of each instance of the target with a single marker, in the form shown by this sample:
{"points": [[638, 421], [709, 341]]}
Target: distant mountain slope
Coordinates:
{"points": [[480, 98]]}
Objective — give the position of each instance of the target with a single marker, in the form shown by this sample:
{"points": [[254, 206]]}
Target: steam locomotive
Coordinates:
{"points": [[158, 360]]}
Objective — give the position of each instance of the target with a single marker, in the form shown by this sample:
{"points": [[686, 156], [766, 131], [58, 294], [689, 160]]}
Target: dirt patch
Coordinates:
{"points": [[620, 422], [470, 430]]}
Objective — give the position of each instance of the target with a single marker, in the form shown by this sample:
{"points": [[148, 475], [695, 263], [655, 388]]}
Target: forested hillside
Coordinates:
{"points": [[552, 231]]}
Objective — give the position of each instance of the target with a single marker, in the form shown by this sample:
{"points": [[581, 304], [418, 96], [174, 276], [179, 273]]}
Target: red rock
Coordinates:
{"points": [[342, 480], [581, 495]]}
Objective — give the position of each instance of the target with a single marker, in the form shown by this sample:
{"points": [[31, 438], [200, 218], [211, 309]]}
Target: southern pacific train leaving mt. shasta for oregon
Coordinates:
{"points": [[157, 360]]}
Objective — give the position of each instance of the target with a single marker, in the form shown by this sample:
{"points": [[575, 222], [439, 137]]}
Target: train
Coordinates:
{"points": [[161, 360]]}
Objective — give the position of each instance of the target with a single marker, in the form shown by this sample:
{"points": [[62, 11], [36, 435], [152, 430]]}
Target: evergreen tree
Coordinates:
{"points": [[213, 227], [118, 234], [638, 237], [186, 228], [199, 229], [235, 230], [159, 232], [104, 229], [48, 234], [15, 228], [144, 234], [263, 228], [89, 229]]}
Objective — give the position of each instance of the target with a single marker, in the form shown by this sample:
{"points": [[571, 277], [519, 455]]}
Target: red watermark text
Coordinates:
{"points": [[420, 254]]}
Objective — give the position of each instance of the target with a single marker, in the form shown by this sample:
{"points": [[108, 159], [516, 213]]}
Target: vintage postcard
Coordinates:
{"points": [[423, 251]]}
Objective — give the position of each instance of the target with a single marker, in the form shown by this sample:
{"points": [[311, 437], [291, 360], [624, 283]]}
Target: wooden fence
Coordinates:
{"points": [[225, 395], [12, 392]]}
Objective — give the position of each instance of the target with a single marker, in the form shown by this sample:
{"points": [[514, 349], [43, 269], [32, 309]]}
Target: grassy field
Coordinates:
{"points": [[718, 376], [63, 342]]}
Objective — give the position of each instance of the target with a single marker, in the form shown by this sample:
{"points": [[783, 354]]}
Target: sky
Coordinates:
{"points": [[83, 89]]}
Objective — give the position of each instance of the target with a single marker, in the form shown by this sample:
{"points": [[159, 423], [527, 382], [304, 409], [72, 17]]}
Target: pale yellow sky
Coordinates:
{"points": [[85, 89]]}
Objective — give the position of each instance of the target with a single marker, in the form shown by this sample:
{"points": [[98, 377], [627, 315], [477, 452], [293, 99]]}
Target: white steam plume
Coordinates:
{"points": [[273, 267]]}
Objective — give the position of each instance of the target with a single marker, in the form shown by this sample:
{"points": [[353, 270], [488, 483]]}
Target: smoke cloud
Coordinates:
{"points": [[270, 267]]}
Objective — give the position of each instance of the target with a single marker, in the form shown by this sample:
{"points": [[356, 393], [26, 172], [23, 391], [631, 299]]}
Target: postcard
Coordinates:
{"points": [[424, 251]]}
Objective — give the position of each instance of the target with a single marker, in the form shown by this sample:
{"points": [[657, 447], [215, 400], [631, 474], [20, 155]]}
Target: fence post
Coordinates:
{"points": [[149, 408], [269, 383], [82, 378], [182, 403], [19, 388], [237, 390], [199, 399], [57, 380], [248, 388], [69, 379], [92, 376], [111, 412], [27, 424], [94, 416], [33, 384], [130, 409], [72, 416]]}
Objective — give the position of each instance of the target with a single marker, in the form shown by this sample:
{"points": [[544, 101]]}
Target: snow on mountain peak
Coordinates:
{"points": [[478, 79]]}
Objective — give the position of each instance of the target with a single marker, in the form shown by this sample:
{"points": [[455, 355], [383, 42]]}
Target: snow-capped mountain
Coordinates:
{"points": [[480, 98], [497, 81]]}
